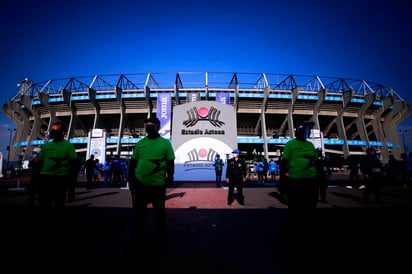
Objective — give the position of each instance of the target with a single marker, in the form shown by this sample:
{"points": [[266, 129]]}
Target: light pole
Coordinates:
{"points": [[403, 131], [8, 155]]}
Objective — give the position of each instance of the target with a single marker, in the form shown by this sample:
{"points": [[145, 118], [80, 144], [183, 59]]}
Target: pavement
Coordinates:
{"points": [[205, 235]]}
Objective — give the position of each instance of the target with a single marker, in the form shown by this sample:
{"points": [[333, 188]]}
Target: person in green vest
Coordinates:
{"points": [[59, 166], [299, 173], [151, 171]]}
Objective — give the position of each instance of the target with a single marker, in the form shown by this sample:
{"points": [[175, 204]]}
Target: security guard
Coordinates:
{"points": [[236, 177]]}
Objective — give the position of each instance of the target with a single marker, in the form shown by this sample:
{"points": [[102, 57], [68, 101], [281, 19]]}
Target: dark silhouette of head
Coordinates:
{"points": [[303, 131], [57, 131], [152, 126]]}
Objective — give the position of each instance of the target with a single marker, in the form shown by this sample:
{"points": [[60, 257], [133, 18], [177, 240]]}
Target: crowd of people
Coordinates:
{"points": [[302, 174], [114, 172]]}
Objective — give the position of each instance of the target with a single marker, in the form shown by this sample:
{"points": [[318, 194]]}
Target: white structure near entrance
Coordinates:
{"points": [[202, 130]]}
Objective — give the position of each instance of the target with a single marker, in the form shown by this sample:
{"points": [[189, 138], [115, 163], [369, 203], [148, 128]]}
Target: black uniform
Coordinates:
{"points": [[236, 174]]}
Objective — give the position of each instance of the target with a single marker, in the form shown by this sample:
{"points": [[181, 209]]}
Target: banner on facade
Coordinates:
{"points": [[164, 112], [192, 97], [223, 97]]}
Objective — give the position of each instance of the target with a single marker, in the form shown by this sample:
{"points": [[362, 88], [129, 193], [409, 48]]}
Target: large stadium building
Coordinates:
{"points": [[352, 114]]}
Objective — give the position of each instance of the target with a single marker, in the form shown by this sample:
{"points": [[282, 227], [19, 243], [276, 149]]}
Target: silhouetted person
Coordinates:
{"points": [[300, 175], [59, 166], [324, 174], [354, 178], [372, 170], [405, 168], [273, 169], [90, 166], [265, 170], [151, 171], [218, 164], [33, 185], [259, 169], [116, 170], [391, 169]]}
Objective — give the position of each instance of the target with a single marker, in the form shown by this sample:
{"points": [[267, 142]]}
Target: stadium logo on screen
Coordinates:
{"points": [[203, 114], [200, 159]]}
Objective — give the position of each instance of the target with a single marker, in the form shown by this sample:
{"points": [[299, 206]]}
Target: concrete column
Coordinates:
{"points": [[33, 132], [44, 99], [319, 102], [389, 127], [92, 97], [148, 100], [291, 126], [360, 120], [377, 126], [263, 123], [121, 122]]}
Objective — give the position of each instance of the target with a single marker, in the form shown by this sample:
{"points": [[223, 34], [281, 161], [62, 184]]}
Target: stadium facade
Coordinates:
{"points": [[352, 114]]}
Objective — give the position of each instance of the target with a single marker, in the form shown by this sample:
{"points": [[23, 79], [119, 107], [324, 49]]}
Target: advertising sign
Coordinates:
{"points": [[164, 112], [97, 145]]}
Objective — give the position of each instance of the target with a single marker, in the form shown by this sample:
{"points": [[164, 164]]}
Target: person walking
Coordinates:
{"points": [[259, 170], [97, 171], [151, 171], [372, 169], [236, 173], [218, 164], [106, 172], [116, 170], [90, 166], [272, 170], [265, 170]]}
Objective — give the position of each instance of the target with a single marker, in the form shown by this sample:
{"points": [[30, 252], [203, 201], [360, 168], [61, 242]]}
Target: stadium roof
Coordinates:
{"points": [[199, 80]]}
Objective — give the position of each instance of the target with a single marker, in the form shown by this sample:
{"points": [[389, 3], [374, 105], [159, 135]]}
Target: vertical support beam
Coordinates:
{"points": [[44, 99], [346, 97], [121, 122], [321, 99], [22, 127], [12, 115], [342, 134], [291, 126], [389, 127], [73, 118], [31, 130], [360, 120], [176, 92], [148, 100], [377, 126], [92, 97], [236, 99], [263, 122]]}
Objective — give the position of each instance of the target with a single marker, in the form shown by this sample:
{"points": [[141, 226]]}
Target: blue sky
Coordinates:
{"points": [[368, 40]]}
